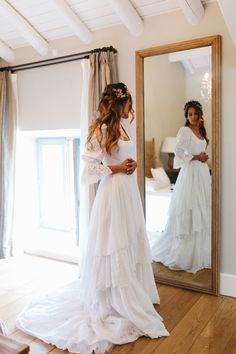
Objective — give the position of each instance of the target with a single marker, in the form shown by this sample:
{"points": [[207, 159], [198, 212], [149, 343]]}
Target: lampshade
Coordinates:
{"points": [[168, 144]]}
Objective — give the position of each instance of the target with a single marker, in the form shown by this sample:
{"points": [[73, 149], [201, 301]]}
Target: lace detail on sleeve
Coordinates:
{"points": [[93, 169], [182, 148]]}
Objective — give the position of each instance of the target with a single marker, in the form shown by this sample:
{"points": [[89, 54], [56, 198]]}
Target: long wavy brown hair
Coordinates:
{"points": [[110, 109], [198, 108]]}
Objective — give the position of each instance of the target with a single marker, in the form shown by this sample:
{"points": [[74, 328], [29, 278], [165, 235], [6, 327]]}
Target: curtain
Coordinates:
{"points": [[98, 71], [112, 63], [103, 71], [86, 192], [7, 160]]}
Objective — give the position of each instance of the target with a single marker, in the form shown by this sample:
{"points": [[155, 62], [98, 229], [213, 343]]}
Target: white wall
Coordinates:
{"points": [[167, 87], [170, 28], [164, 98], [193, 85], [49, 98]]}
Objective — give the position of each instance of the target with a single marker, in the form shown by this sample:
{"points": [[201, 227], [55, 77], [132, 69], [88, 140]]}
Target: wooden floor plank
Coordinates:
{"points": [[22, 337], [231, 345], [202, 278], [219, 330], [29, 276], [173, 308], [189, 328], [10, 325], [198, 323], [58, 351], [167, 295], [39, 347]]}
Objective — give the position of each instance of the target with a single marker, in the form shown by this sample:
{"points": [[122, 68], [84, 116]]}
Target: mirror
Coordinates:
{"points": [[180, 195]]}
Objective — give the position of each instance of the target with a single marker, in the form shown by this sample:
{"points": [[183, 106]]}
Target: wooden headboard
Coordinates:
{"points": [[149, 156]]}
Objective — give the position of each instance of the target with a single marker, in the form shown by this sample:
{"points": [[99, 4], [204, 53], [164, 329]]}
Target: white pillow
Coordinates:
{"points": [[150, 184], [160, 177]]}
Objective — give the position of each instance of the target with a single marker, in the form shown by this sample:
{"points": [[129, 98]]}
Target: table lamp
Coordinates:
{"points": [[169, 146]]}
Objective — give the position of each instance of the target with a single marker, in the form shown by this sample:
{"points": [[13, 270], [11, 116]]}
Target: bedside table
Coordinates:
{"points": [[172, 174]]}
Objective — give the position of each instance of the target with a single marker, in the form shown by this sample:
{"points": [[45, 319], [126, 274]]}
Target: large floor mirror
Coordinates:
{"points": [[181, 201]]}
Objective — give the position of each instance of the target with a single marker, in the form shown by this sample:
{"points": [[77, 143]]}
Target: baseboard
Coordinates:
{"points": [[228, 284]]}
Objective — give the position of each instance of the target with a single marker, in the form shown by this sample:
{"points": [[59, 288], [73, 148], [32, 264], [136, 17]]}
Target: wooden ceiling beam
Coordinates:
{"points": [[24, 27], [6, 53], [228, 9], [128, 15], [193, 10], [73, 21]]}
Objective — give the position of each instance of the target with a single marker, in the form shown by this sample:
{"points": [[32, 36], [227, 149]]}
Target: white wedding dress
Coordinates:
{"points": [[112, 302], [185, 244]]}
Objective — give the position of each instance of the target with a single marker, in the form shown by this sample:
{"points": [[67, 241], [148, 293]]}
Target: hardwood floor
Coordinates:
{"points": [[198, 323], [202, 278]]}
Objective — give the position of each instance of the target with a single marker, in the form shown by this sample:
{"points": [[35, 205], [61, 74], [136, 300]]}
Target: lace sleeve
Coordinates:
{"points": [[93, 170], [182, 147]]}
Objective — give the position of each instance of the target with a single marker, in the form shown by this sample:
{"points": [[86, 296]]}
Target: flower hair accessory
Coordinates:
{"points": [[120, 94], [192, 103], [195, 104]]}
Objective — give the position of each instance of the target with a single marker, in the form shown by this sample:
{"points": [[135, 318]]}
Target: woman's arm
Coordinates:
{"points": [[203, 157], [128, 167], [93, 170], [182, 148]]}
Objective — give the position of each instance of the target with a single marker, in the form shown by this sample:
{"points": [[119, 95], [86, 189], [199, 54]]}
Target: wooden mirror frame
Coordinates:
{"points": [[215, 43]]}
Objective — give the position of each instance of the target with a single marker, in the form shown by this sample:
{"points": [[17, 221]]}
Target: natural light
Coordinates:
{"points": [[47, 200]]}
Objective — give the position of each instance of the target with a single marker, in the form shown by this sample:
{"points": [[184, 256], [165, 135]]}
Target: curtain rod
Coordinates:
{"points": [[57, 60]]}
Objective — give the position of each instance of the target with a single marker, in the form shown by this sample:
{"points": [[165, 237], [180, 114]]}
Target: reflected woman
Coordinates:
{"points": [[185, 243]]}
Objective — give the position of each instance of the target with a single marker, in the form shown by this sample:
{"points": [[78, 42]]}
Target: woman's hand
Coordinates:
{"points": [[203, 157], [129, 166], [132, 165]]}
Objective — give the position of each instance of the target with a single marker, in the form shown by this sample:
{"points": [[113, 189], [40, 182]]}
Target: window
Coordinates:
{"points": [[58, 171]]}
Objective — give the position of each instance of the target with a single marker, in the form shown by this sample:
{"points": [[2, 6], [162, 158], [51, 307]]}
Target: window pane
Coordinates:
{"points": [[56, 184]]}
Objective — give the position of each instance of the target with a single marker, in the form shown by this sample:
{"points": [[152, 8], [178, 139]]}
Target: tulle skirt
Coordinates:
{"points": [[112, 302], [185, 243]]}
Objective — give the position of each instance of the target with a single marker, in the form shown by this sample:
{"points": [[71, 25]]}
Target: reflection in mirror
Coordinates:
{"points": [[178, 187], [179, 170]]}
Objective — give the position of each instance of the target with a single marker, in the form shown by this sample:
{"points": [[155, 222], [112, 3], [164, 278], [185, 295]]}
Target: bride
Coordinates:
{"points": [[185, 243], [112, 302]]}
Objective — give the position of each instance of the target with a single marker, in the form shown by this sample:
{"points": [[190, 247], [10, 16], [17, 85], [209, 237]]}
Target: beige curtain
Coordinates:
{"points": [[7, 160], [98, 71], [103, 71], [112, 64]]}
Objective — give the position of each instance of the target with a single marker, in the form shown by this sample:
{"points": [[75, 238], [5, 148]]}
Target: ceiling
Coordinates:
{"points": [[192, 59], [53, 19]]}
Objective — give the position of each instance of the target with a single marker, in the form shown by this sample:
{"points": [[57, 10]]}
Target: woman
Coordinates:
{"points": [[185, 243], [112, 301]]}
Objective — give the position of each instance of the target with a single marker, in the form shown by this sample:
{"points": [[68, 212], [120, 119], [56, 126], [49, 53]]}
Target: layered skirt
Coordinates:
{"points": [[112, 302]]}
